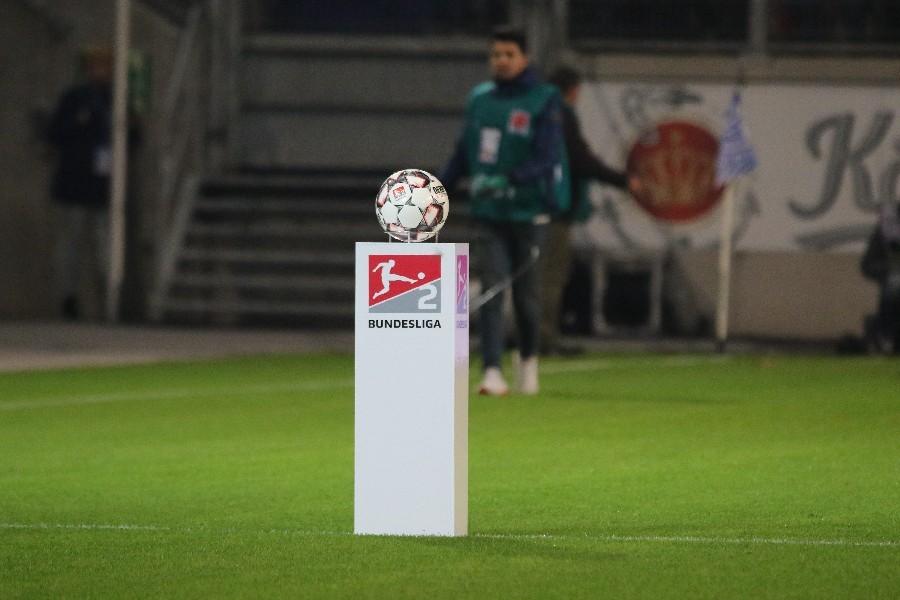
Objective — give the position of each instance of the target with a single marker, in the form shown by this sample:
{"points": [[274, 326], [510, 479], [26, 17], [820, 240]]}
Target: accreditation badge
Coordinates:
{"points": [[489, 147], [102, 163]]}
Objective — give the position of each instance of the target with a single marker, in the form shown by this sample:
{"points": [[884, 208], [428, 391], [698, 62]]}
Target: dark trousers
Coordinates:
{"points": [[506, 251]]}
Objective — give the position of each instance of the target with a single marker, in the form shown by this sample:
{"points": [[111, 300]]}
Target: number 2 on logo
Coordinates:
{"points": [[426, 301]]}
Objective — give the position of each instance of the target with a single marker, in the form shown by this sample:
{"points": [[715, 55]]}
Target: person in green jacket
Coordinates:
{"points": [[512, 149]]}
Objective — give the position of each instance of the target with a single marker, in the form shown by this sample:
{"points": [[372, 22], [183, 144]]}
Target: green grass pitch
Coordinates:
{"points": [[629, 476]]}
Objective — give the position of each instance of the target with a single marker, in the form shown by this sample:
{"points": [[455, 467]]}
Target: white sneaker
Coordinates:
{"points": [[493, 383], [527, 375]]}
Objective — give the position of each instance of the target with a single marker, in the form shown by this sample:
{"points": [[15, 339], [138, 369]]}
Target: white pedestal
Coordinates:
{"points": [[412, 398]]}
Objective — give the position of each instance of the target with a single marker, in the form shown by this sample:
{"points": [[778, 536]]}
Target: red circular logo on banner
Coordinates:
{"points": [[676, 162]]}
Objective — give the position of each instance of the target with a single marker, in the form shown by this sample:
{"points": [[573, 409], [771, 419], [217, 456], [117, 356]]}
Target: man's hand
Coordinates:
{"points": [[489, 185]]}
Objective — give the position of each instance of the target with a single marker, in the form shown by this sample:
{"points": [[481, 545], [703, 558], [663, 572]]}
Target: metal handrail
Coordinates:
{"points": [[196, 106], [178, 169]]}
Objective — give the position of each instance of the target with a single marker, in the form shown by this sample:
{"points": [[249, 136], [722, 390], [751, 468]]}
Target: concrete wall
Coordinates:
{"points": [[38, 60], [789, 295], [31, 64]]}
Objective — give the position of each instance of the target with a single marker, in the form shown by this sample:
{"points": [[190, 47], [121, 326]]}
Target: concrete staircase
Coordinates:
{"points": [[322, 123], [354, 103], [272, 249]]}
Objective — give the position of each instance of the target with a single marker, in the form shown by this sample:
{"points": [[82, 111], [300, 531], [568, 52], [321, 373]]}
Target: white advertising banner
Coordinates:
{"points": [[828, 157], [411, 389]]}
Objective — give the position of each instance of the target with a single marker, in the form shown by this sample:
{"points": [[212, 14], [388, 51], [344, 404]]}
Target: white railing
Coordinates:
{"points": [[195, 125]]}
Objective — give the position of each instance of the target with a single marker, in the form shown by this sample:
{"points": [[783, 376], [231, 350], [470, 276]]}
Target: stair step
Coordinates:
{"points": [[260, 307], [297, 184], [275, 257], [279, 230], [299, 208], [274, 283]]}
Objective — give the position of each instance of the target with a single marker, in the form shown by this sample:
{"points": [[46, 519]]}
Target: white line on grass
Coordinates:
{"points": [[654, 539], [174, 394], [577, 366], [93, 527], [695, 540], [573, 366]]}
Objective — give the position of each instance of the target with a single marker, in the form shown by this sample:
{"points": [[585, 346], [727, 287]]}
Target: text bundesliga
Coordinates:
{"points": [[404, 324]]}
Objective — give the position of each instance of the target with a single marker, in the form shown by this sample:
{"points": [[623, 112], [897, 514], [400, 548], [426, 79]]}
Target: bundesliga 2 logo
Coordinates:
{"points": [[405, 283]]}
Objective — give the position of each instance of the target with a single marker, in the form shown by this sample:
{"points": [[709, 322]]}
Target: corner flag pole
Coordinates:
{"points": [[736, 158], [119, 172], [725, 255]]}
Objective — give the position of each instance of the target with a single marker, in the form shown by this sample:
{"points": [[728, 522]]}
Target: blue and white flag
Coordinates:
{"points": [[736, 156]]}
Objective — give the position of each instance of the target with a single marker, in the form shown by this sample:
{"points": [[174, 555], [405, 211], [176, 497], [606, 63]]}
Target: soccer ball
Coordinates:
{"points": [[412, 205]]}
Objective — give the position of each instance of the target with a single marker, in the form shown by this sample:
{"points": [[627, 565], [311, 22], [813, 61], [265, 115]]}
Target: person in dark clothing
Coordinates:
{"points": [[584, 166], [512, 149], [881, 263], [81, 131]]}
